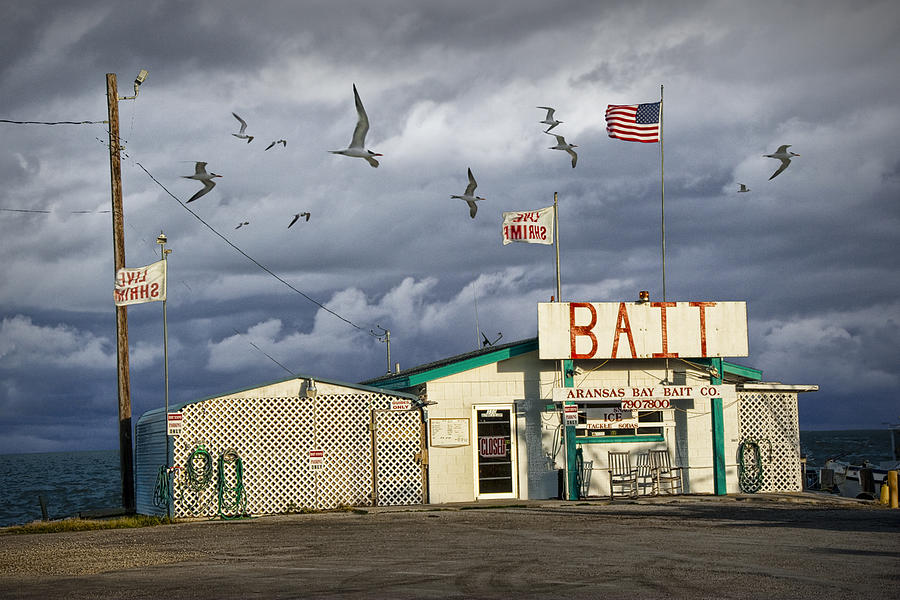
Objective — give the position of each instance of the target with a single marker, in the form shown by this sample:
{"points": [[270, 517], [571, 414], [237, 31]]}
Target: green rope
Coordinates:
{"points": [[163, 491], [197, 480], [232, 500], [750, 476]]}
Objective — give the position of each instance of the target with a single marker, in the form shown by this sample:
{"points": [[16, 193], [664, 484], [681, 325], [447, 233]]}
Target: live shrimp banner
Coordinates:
{"points": [[530, 226], [144, 284]]}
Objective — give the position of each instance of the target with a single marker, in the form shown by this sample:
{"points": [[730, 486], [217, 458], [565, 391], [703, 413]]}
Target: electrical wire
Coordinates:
{"points": [[247, 256], [52, 122], [71, 212], [265, 353]]}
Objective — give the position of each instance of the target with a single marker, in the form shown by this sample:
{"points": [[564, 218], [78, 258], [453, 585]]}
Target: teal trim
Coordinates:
{"points": [[718, 440], [742, 371], [728, 368], [614, 439], [459, 367], [716, 363], [568, 365]]}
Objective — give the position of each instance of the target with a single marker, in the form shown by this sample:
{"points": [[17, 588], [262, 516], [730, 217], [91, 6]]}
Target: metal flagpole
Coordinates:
{"points": [[662, 187], [161, 240], [556, 243]]}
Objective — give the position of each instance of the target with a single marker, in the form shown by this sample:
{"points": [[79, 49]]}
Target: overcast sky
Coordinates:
{"points": [[450, 85]]}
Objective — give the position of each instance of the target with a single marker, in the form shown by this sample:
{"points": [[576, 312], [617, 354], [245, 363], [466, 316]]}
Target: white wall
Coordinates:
{"points": [[527, 383]]}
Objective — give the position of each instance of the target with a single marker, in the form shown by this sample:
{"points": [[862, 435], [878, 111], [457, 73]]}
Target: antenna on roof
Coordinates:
{"points": [[487, 342]]}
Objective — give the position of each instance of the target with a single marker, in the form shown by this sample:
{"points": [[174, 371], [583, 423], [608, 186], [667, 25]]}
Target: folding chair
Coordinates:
{"points": [[621, 475], [665, 473]]}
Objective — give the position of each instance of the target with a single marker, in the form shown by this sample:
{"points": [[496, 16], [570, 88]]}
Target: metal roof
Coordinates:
{"points": [[454, 364], [298, 377]]}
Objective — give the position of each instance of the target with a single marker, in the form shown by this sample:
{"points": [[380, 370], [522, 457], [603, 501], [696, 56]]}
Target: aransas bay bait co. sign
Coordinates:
{"points": [[600, 330], [639, 397]]}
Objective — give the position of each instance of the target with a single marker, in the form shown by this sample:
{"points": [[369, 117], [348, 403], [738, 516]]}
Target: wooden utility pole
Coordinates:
{"points": [[126, 459]]}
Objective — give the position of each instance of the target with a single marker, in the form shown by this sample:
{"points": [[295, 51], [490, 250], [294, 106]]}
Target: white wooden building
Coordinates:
{"points": [[494, 430]]}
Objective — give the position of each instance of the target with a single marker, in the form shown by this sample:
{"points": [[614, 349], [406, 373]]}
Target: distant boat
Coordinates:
{"points": [[862, 481]]}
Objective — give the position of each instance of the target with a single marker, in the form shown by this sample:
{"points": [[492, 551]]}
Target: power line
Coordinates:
{"points": [[264, 352], [247, 256], [52, 122], [73, 212]]}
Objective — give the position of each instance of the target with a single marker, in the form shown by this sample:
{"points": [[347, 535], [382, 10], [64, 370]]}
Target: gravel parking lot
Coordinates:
{"points": [[689, 547]]}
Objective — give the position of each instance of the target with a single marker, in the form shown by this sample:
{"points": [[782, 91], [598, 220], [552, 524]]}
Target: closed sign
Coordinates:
{"points": [[492, 447]]}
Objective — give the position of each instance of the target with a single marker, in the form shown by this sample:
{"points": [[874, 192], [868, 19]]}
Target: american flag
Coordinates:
{"points": [[633, 122]]}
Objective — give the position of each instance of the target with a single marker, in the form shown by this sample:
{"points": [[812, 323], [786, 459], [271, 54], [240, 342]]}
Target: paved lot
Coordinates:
{"points": [[693, 547]]}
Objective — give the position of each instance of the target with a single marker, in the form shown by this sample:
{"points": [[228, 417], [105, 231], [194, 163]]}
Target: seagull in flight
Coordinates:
{"points": [[549, 119], [241, 133], [561, 144], [744, 188], [469, 196], [357, 148], [282, 142], [297, 217], [200, 174], [242, 223], [784, 156]]}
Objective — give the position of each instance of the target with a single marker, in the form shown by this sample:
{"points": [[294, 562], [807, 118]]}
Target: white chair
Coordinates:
{"points": [[664, 473], [621, 475], [646, 482]]}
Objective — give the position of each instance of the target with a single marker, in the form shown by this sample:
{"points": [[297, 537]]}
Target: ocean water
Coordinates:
{"points": [[70, 481], [852, 446], [78, 481]]}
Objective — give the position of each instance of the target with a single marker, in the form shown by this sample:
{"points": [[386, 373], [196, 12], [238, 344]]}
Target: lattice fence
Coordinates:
{"points": [[771, 420], [398, 458], [274, 437]]}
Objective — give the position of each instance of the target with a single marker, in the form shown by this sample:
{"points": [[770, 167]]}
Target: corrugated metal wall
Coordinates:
{"points": [[150, 454]]}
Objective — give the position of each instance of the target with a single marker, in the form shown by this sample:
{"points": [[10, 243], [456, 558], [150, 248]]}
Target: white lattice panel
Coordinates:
{"points": [[398, 442], [771, 419], [273, 437]]}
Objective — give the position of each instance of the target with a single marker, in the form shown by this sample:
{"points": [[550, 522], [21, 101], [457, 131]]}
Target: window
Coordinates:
{"points": [[607, 421]]}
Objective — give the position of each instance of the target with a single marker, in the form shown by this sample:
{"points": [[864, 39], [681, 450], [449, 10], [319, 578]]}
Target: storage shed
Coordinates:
{"points": [[290, 445]]}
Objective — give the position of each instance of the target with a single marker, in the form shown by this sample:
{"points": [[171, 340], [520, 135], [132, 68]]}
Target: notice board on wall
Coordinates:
{"points": [[447, 433]]}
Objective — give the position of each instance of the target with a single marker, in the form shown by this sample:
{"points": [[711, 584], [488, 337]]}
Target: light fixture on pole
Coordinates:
{"points": [[141, 77], [123, 383], [311, 391]]}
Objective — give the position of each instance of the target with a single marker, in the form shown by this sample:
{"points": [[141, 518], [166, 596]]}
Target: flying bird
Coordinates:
{"points": [[549, 119], [469, 196], [561, 144], [744, 188], [241, 133], [282, 142], [357, 148], [200, 174], [784, 156], [297, 216], [241, 224]]}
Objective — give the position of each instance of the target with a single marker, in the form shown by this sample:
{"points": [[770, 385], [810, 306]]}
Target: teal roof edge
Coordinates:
{"points": [[454, 365]]}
